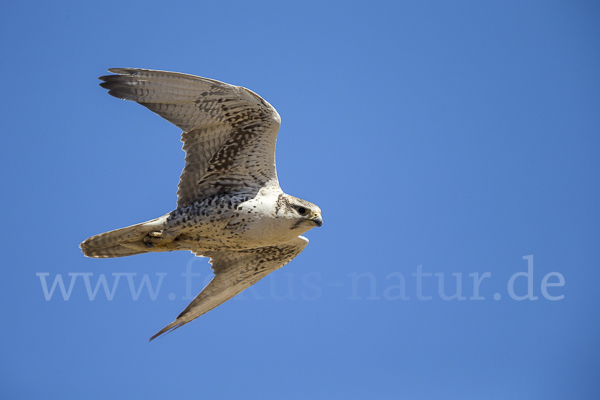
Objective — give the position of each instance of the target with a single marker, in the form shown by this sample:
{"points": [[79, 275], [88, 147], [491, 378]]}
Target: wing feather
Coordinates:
{"points": [[234, 272], [229, 132]]}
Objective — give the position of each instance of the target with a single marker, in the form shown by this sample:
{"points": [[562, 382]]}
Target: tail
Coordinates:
{"points": [[122, 242]]}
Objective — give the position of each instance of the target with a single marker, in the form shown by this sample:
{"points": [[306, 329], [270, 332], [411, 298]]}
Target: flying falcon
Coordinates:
{"points": [[230, 207]]}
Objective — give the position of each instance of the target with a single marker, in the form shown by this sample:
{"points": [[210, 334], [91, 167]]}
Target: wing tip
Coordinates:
{"points": [[118, 87], [124, 71], [167, 329], [119, 73]]}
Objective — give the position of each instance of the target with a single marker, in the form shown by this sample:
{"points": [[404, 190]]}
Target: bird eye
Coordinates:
{"points": [[302, 211]]}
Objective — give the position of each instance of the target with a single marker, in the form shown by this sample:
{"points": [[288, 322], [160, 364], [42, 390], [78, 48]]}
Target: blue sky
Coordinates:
{"points": [[457, 139]]}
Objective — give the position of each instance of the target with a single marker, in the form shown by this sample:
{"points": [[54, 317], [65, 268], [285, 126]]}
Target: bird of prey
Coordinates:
{"points": [[230, 207]]}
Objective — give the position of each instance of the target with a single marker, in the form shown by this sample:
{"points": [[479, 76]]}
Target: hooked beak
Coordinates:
{"points": [[317, 219]]}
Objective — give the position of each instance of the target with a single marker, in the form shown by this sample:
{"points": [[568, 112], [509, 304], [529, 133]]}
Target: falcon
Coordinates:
{"points": [[230, 207]]}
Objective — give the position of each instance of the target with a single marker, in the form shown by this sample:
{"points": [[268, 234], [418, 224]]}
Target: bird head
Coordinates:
{"points": [[304, 214]]}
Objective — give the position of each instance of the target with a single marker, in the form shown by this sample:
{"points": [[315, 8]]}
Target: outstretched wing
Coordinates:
{"points": [[229, 132], [234, 272]]}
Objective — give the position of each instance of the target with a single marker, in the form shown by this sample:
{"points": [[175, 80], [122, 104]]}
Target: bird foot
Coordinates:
{"points": [[160, 238]]}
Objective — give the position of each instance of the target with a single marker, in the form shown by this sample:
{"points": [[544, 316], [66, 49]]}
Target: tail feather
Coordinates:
{"points": [[121, 242]]}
